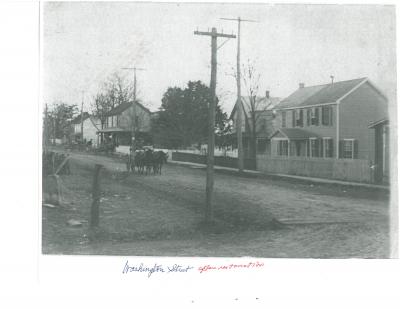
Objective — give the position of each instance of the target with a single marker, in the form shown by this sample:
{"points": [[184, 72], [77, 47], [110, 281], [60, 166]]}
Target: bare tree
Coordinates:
{"points": [[253, 105], [115, 91]]}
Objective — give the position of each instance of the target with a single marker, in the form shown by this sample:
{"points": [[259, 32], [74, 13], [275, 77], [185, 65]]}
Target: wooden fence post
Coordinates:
{"points": [[94, 211]]}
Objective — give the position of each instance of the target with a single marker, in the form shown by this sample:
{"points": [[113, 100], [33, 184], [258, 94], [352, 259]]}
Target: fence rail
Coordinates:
{"points": [[249, 164], [340, 169]]}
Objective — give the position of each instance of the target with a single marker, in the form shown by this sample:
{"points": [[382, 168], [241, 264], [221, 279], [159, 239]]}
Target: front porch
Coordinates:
{"points": [[300, 143], [122, 137]]}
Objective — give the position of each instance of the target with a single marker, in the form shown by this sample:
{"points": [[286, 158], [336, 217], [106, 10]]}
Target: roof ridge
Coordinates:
{"points": [[341, 81]]}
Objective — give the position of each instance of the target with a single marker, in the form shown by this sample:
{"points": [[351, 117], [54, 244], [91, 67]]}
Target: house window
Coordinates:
{"points": [[327, 147], [327, 115], [315, 116], [348, 149], [293, 118], [283, 148], [309, 117], [283, 119], [299, 119], [314, 147]]}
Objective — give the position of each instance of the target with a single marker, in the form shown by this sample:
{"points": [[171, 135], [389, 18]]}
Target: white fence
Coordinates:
{"points": [[217, 152], [341, 169]]}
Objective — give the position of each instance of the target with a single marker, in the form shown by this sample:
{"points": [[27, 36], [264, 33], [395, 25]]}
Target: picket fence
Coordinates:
{"points": [[340, 169]]}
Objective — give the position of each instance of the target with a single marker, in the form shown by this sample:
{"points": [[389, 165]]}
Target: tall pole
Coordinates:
{"points": [[239, 109], [46, 127], [134, 124], [211, 128], [239, 106], [82, 117], [211, 121], [134, 102]]}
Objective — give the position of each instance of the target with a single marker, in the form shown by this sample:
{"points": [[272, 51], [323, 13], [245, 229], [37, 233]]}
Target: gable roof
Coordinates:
{"points": [[294, 133], [124, 106], [321, 94], [262, 104]]}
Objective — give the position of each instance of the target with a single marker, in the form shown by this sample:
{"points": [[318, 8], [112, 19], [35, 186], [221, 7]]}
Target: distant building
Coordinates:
{"points": [[119, 124], [263, 110], [91, 125]]}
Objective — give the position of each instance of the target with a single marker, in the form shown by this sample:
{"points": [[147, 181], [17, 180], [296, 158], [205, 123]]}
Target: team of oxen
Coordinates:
{"points": [[146, 161]]}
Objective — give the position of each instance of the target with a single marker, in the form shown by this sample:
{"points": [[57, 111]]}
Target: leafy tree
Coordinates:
{"points": [[59, 117], [183, 117]]}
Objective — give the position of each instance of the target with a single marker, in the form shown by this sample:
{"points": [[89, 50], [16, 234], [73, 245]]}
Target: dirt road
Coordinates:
{"points": [[320, 220]]}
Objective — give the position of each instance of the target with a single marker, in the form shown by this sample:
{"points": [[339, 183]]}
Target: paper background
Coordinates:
{"points": [[30, 279]]}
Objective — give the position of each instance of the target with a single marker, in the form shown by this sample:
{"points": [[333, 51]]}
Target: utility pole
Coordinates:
{"points": [[211, 119], [83, 93], [239, 110], [134, 105], [46, 127]]}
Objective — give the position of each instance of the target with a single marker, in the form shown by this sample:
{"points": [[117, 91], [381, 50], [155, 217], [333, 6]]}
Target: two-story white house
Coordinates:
{"points": [[324, 131], [329, 121]]}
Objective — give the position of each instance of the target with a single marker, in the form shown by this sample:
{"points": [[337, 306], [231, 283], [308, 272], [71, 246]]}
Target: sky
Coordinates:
{"points": [[84, 43]]}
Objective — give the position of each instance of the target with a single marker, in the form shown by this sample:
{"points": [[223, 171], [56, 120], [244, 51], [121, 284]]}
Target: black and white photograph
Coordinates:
{"points": [[218, 130]]}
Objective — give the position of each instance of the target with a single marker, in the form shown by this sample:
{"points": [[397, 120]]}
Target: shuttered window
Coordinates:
{"points": [[315, 116], [309, 117], [293, 118], [314, 147], [300, 118], [282, 148], [328, 147], [348, 149], [316, 122], [283, 119], [327, 115]]}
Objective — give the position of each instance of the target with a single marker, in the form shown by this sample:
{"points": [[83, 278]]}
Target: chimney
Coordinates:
{"points": [[267, 94], [301, 85]]}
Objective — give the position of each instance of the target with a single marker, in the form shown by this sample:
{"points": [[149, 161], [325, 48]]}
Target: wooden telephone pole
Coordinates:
{"points": [[239, 110], [211, 119], [83, 93], [46, 127], [134, 105]]}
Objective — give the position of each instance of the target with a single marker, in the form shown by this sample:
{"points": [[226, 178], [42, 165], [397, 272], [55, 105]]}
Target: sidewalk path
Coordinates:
{"points": [[302, 178]]}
